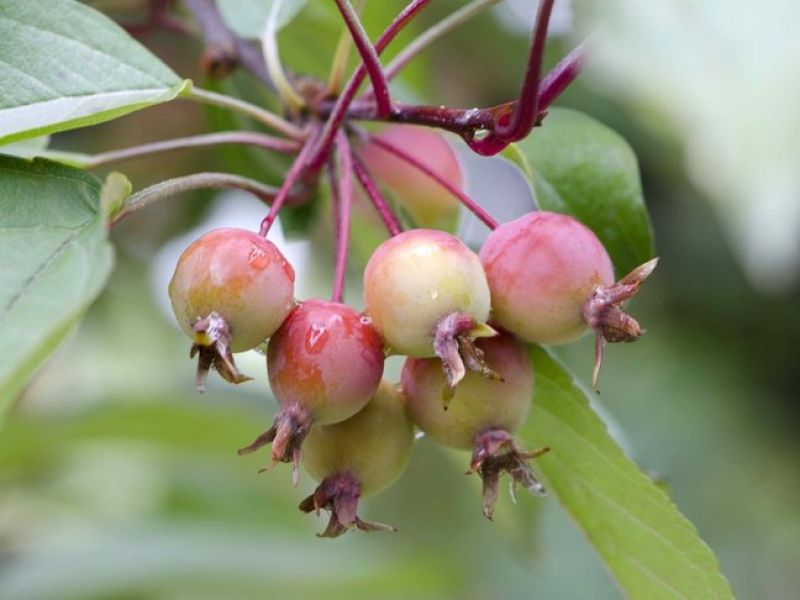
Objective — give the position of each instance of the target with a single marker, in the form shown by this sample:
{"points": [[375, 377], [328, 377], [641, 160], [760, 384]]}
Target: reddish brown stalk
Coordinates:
{"points": [[339, 110], [369, 58], [564, 73], [292, 176], [473, 206], [345, 197], [527, 109], [378, 201]]}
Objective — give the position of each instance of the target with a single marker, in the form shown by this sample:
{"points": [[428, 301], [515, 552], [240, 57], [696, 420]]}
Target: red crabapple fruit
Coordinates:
{"points": [[230, 291], [427, 203], [483, 414], [552, 280], [358, 457], [427, 295], [324, 364]]}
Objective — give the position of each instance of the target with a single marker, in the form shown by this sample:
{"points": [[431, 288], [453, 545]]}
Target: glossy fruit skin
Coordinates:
{"points": [[428, 203], [479, 404], [242, 277], [415, 279], [374, 446], [327, 358], [541, 269]]}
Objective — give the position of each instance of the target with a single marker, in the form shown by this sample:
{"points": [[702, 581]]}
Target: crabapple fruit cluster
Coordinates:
{"points": [[462, 320]]}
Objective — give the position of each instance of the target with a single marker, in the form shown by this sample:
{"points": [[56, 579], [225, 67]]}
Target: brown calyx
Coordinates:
{"points": [[212, 341], [495, 451], [291, 425], [603, 313], [339, 494], [453, 342]]}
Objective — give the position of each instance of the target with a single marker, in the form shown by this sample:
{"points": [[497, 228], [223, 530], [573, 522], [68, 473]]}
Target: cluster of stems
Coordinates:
{"points": [[320, 135]]}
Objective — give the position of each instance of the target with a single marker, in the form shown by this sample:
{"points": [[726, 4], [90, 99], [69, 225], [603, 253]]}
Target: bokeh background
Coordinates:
{"points": [[117, 481]]}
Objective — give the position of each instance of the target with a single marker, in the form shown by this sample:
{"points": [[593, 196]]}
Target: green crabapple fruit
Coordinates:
{"points": [[427, 295], [483, 414], [230, 291], [324, 364], [358, 457], [552, 280], [427, 203]]}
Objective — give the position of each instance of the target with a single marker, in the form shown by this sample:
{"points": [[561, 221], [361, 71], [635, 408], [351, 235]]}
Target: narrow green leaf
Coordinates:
{"points": [[247, 18], [64, 65], [583, 168], [54, 260], [648, 546]]}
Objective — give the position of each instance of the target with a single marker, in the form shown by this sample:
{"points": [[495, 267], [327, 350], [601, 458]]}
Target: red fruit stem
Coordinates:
{"points": [[369, 58], [527, 109], [466, 122], [197, 141], [378, 201], [564, 73], [291, 178], [345, 197], [339, 110], [473, 206]]}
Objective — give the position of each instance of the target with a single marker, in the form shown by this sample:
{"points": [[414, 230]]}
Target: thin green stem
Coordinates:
{"points": [[197, 141], [196, 181], [251, 110], [269, 42]]}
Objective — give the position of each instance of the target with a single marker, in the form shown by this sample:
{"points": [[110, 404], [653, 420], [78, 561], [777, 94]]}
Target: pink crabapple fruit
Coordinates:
{"points": [[324, 364], [358, 457], [427, 295], [427, 202], [230, 291], [552, 280], [482, 415]]}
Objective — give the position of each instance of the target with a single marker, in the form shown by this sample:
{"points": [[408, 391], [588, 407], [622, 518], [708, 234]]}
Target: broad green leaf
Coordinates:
{"points": [[64, 65], [648, 546], [583, 168], [54, 260], [247, 18]]}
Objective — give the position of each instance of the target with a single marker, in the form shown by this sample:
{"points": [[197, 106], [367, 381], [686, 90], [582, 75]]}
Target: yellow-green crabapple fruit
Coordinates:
{"points": [[483, 414], [552, 281], [427, 295], [230, 291], [358, 457], [324, 364]]}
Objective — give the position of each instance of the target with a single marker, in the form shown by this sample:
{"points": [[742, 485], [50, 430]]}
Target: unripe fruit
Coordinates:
{"points": [[324, 364], [552, 280], [427, 203], [427, 294], [482, 415], [358, 457], [230, 291]]}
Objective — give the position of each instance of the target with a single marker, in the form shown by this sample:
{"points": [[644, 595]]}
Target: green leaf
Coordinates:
{"points": [[247, 18], [55, 260], [584, 169], [648, 546], [65, 65]]}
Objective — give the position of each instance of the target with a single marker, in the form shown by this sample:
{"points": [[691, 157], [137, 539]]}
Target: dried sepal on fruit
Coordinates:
{"points": [[427, 295], [552, 281], [324, 364], [230, 291], [483, 415], [358, 457]]}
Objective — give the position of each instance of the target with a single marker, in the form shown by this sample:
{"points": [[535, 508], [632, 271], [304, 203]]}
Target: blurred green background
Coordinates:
{"points": [[117, 481]]}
